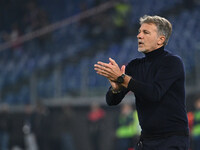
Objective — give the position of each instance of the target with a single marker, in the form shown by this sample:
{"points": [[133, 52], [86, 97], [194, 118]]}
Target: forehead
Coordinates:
{"points": [[148, 26]]}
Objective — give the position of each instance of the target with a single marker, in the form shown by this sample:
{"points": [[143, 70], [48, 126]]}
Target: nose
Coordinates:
{"points": [[139, 36]]}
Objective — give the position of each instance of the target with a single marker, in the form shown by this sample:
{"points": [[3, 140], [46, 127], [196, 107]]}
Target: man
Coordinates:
{"points": [[157, 80]]}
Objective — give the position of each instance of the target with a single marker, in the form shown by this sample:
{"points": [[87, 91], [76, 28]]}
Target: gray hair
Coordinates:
{"points": [[163, 25]]}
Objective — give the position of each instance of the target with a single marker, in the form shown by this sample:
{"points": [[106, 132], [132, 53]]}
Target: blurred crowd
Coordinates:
{"points": [[70, 127], [194, 125], [39, 68], [19, 18], [61, 128]]}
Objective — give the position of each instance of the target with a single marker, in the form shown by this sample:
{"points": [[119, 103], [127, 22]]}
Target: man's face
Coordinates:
{"points": [[148, 38]]}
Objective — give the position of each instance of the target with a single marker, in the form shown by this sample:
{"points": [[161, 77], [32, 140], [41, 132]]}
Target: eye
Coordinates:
{"points": [[146, 32]]}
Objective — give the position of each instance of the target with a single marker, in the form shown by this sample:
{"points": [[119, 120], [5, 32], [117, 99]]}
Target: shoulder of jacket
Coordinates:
{"points": [[136, 60], [170, 56]]}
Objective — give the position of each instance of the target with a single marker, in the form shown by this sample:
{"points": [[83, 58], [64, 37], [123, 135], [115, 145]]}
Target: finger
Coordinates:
{"points": [[103, 64], [103, 74], [113, 61], [123, 69], [99, 67]]}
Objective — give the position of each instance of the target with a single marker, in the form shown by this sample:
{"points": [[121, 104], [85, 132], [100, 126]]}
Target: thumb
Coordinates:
{"points": [[123, 68], [112, 61]]}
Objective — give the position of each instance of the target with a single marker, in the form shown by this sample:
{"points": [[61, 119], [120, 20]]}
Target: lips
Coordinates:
{"points": [[140, 43]]}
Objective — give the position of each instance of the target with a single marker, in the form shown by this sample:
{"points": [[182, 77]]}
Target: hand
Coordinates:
{"points": [[111, 71]]}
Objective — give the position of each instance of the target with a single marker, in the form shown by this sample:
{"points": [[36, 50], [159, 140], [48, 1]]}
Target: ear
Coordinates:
{"points": [[161, 40]]}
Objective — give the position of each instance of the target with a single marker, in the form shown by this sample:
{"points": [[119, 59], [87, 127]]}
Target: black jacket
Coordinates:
{"points": [[158, 82]]}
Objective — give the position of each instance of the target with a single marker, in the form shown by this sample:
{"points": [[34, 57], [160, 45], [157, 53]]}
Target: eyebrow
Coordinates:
{"points": [[139, 30]]}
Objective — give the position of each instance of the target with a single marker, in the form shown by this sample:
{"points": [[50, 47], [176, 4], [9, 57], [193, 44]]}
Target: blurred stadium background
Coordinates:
{"points": [[48, 49]]}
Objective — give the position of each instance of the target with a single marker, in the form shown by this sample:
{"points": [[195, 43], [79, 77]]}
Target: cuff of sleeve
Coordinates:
{"points": [[114, 91], [131, 85]]}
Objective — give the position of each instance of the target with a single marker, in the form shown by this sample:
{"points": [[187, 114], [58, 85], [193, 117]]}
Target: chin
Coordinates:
{"points": [[141, 50]]}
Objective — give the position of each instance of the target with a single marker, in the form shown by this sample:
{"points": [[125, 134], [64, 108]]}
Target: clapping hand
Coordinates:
{"points": [[110, 70]]}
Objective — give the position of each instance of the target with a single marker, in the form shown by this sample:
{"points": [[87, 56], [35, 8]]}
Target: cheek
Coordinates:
{"points": [[151, 41]]}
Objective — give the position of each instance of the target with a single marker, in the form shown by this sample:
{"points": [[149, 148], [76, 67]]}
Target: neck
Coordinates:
{"points": [[155, 52], [157, 47]]}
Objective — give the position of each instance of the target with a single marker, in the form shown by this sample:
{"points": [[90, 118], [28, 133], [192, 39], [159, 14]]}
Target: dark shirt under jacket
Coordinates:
{"points": [[158, 84]]}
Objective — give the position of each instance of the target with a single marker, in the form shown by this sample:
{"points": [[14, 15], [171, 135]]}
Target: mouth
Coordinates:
{"points": [[140, 43]]}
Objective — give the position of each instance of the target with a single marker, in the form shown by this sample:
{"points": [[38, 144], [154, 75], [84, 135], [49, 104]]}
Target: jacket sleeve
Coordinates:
{"points": [[169, 71], [115, 99]]}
